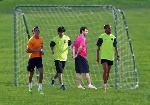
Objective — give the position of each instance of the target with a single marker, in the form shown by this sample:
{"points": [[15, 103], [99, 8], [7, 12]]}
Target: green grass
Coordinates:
{"points": [[138, 22], [117, 3]]}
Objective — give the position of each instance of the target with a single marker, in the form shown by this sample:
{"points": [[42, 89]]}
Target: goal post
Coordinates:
{"points": [[123, 75], [127, 55]]}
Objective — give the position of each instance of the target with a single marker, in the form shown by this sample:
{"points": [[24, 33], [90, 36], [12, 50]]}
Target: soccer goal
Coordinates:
{"points": [[49, 17]]}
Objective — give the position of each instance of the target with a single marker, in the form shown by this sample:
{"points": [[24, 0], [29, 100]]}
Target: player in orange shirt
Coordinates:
{"points": [[35, 50]]}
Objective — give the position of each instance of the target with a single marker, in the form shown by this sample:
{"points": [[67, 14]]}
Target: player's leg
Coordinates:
{"points": [[53, 79], [63, 63], [87, 76], [109, 67], [79, 79], [40, 76], [40, 80], [110, 63], [78, 72], [60, 67], [105, 70], [31, 73], [56, 75], [30, 68], [39, 65], [62, 86], [57, 68], [78, 68], [85, 69], [60, 78]]}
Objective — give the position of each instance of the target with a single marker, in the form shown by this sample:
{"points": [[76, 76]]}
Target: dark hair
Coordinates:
{"points": [[106, 25], [83, 29], [35, 27], [61, 29]]}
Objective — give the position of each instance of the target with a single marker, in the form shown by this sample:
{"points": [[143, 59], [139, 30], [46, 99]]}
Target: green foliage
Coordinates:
{"points": [[138, 22]]}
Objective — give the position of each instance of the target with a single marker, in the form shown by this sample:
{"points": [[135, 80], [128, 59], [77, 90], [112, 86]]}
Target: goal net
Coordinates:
{"points": [[48, 18]]}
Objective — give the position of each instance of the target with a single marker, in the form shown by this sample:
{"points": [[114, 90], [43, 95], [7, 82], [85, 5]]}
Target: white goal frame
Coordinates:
{"points": [[124, 73]]}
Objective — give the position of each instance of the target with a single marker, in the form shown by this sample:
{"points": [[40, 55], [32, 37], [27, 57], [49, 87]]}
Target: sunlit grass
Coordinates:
{"points": [[138, 22]]}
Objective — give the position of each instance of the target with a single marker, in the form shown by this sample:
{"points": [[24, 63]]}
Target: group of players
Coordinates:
{"points": [[106, 47]]}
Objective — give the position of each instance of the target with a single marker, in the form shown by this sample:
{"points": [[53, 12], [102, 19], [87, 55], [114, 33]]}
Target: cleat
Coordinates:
{"points": [[104, 89], [81, 87], [40, 91], [107, 87], [92, 87], [30, 90], [63, 87], [53, 81]]}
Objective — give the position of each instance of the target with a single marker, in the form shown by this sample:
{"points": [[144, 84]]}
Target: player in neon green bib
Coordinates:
{"points": [[59, 47], [107, 45]]}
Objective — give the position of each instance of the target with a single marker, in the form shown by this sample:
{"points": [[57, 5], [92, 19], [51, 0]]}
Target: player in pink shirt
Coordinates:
{"points": [[80, 56], [80, 41]]}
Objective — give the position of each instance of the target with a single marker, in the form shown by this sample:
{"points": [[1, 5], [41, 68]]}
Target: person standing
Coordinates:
{"points": [[107, 46], [35, 50], [59, 47], [80, 56]]}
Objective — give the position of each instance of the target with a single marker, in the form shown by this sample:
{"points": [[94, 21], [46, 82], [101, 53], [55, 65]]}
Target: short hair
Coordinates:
{"points": [[61, 29], [106, 25], [83, 29], [35, 27]]}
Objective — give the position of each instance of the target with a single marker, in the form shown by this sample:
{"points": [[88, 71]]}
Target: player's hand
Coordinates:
{"points": [[74, 56], [53, 51], [118, 58], [38, 49], [42, 52]]}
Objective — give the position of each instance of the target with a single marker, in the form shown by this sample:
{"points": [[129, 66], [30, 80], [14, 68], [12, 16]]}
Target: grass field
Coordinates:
{"points": [[137, 15]]}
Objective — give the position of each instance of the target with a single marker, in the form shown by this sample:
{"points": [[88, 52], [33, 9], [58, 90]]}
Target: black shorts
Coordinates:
{"points": [[34, 62], [81, 65], [109, 62], [60, 65]]}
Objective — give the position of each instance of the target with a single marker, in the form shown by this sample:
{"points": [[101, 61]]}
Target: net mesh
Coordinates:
{"points": [[49, 18]]}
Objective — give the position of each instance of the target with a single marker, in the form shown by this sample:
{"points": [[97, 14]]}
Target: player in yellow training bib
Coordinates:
{"points": [[59, 47], [107, 46]]}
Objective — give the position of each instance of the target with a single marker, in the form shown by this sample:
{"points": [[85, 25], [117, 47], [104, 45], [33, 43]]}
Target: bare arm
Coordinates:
{"points": [[52, 49], [116, 50], [52, 44], [98, 50], [99, 43], [78, 52], [73, 52], [70, 46], [35, 50]]}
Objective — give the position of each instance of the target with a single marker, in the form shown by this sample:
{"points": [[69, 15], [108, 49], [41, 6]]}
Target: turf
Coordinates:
{"points": [[137, 15]]}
